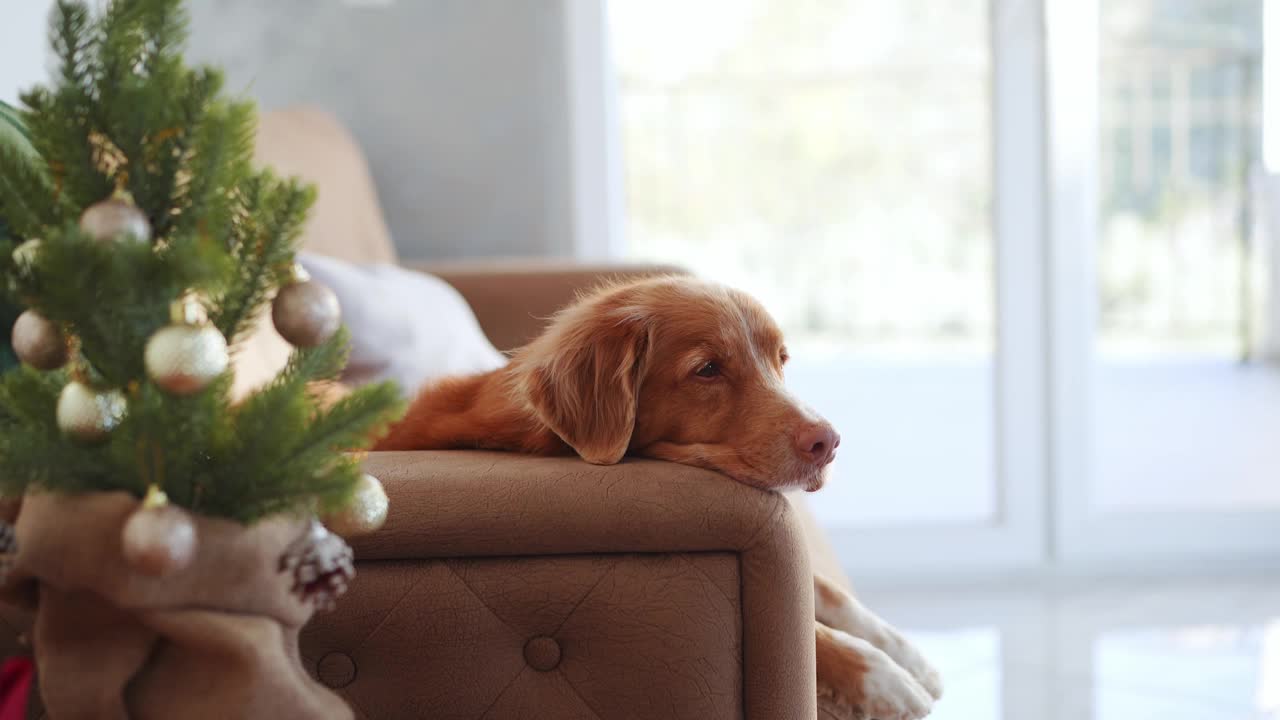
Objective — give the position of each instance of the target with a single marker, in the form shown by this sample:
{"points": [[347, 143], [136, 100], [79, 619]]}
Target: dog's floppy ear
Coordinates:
{"points": [[583, 384]]}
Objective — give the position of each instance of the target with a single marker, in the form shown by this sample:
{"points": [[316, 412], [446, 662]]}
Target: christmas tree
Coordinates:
{"points": [[144, 245]]}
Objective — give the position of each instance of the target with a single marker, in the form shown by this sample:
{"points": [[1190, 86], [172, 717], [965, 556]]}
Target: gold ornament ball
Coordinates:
{"points": [[306, 313], [158, 541], [184, 359], [115, 219], [87, 414], [366, 513], [38, 342]]}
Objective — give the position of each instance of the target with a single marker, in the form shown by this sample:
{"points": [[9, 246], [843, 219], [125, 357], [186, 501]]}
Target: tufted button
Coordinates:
{"points": [[336, 670], [542, 653]]}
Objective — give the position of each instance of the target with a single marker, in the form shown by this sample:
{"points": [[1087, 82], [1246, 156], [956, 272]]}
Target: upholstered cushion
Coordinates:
{"points": [[405, 326], [347, 220], [599, 637]]}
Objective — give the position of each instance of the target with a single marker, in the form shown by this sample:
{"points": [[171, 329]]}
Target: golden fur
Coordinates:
{"points": [[616, 374]]}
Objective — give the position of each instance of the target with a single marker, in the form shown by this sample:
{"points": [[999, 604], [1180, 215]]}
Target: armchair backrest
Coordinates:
{"points": [[347, 221]]}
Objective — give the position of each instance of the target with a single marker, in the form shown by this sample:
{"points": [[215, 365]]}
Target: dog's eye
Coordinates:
{"points": [[783, 356], [708, 370]]}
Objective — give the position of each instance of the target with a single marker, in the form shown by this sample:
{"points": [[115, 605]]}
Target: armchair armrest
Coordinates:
{"points": [[512, 299], [656, 518]]}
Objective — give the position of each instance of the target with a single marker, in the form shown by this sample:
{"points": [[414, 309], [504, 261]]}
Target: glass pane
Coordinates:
{"points": [[970, 659], [1186, 399], [832, 157], [1221, 672]]}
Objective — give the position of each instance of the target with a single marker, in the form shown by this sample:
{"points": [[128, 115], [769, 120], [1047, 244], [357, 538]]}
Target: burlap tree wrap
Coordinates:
{"points": [[215, 640]]}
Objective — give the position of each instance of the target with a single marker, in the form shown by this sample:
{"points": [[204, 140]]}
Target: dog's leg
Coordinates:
{"points": [[863, 682], [838, 609]]}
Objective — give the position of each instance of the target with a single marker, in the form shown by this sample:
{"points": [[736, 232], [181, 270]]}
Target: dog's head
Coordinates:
{"points": [[681, 370]]}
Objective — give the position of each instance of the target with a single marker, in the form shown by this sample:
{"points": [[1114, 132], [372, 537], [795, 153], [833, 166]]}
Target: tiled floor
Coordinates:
{"points": [[1206, 649]]}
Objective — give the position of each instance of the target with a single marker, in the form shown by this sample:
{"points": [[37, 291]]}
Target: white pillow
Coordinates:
{"points": [[405, 326]]}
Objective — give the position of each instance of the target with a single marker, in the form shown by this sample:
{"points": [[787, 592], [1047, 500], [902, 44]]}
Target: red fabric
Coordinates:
{"points": [[15, 684]]}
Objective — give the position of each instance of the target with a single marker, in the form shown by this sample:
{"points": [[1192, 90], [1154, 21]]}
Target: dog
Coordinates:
{"points": [[688, 371]]}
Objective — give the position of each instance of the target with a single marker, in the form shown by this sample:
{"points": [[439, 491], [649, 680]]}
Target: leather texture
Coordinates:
{"points": [[668, 591], [581, 636]]}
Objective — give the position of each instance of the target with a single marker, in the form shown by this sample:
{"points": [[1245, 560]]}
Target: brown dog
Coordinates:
{"points": [[687, 371]]}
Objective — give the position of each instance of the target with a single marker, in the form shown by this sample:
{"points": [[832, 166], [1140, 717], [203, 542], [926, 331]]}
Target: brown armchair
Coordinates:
{"points": [[508, 586]]}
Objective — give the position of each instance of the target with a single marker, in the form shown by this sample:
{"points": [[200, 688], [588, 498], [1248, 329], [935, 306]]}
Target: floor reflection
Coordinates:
{"points": [[1204, 649]]}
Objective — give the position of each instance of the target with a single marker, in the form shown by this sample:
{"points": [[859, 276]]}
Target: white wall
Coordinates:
{"points": [[462, 106], [23, 39]]}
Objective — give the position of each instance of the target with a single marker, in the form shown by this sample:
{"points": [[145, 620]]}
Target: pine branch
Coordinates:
{"points": [[323, 493], [350, 424], [221, 154], [170, 150], [60, 121], [166, 27], [28, 201], [145, 110], [274, 213], [284, 399], [253, 468], [254, 415], [32, 449], [60, 132], [308, 463], [115, 295], [71, 35], [119, 51], [170, 441]]}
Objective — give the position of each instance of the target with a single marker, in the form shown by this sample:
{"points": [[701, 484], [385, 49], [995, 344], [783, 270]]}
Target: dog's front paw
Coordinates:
{"points": [[905, 654], [867, 682], [836, 608], [892, 693]]}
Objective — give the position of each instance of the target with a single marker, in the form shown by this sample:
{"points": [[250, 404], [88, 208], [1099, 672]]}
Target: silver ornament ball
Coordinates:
{"points": [[158, 541], [87, 414], [115, 219], [39, 342], [184, 359], [306, 313], [366, 513]]}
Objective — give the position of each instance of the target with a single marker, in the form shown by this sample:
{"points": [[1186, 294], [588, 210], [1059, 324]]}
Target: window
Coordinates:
{"points": [[834, 156], [1021, 249], [1183, 414]]}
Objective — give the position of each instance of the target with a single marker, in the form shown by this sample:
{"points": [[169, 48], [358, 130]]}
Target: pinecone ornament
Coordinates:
{"points": [[321, 565]]}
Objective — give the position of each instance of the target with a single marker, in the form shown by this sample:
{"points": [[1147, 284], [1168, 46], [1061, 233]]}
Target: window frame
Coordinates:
{"points": [[1045, 212]]}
